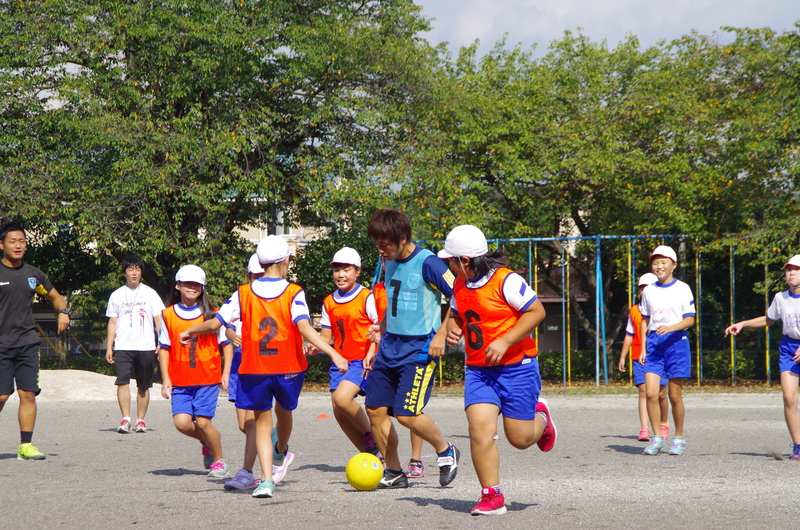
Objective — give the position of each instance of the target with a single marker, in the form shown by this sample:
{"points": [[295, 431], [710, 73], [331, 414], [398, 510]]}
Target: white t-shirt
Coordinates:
{"points": [[187, 313], [342, 298], [666, 304], [267, 288], [135, 310], [786, 308], [516, 291]]}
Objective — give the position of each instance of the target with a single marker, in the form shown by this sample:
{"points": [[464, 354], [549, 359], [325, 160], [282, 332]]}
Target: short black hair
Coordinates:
{"points": [[390, 225], [132, 261], [11, 226]]}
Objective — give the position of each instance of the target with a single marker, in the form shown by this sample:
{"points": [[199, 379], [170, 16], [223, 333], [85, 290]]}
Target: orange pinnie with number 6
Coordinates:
{"points": [[488, 318]]}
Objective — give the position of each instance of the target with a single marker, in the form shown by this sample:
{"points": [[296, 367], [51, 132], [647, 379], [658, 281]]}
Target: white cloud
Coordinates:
{"points": [[542, 21]]}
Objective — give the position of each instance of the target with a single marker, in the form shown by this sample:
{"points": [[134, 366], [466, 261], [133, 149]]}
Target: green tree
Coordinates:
{"points": [[160, 128]]}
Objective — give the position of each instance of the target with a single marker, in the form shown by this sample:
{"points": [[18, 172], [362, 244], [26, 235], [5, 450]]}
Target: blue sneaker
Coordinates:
{"points": [[678, 446], [795, 452], [264, 489], [656, 445], [242, 480], [218, 469]]}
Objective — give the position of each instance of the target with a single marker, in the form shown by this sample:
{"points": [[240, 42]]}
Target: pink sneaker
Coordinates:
{"points": [[416, 469], [644, 435], [665, 430], [492, 503], [548, 439]]}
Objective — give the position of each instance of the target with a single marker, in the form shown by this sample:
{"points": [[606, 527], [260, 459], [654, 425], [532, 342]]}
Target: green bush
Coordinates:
{"points": [[83, 362]]}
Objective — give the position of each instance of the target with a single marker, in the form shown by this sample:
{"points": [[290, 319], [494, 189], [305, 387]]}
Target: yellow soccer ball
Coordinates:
{"points": [[364, 471]]}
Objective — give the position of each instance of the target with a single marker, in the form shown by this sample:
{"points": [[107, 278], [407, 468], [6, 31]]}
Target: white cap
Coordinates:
{"points": [[794, 261], [665, 251], [464, 241], [348, 256], [254, 266], [647, 278], [191, 273], [272, 249]]}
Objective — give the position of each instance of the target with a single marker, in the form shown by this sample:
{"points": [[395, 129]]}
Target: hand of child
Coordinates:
{"points": [[340, 363], [166, 389], [641, 357], [185, 337], [622, 366], [374, 333], [733, 330], [110, 356], [310, 349], [796, 357], [225, 381], [436, 347], [367, 363], [454, 336], [663, 330], [495, 352], [237, 341]]}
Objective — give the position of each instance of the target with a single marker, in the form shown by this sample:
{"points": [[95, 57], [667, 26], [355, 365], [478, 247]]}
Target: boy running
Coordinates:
{"points": [[411, 338]]}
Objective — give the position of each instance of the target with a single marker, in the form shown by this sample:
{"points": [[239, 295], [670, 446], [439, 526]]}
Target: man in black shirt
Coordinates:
{"points": [[19, 342]]}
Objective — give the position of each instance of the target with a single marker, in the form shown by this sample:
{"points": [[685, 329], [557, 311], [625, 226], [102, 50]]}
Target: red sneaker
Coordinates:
{"points": [[548, 439], [492, 503]]}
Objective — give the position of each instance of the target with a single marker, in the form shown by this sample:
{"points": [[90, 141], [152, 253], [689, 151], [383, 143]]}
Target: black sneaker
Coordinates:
{"points": [[448, 465], [392, 481]]}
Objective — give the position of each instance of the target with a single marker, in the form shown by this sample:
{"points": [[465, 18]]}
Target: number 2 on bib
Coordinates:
{"points": [[271, 324]]}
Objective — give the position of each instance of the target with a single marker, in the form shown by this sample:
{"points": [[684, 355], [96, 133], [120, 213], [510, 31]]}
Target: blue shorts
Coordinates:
{"points": [[404, 389], [668, 355], [638, 374], [513, 388], [787, 349], [200, 400], [256, 391], [353, 374], [233, 381]]}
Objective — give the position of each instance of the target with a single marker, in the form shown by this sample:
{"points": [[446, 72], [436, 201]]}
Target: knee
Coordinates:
{"points": [[520, 442], [406, 421]]}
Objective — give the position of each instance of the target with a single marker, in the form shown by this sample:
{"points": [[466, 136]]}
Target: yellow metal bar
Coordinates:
{"points": [[569, 324], [536, 283], [697, 315]]}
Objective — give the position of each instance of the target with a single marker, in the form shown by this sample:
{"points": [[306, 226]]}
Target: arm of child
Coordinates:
{"points": [[686, 323], [527, 322], [325, 335], [369, 360], [235, 339], [643, 334], [163, 361], [455, 329], [758, 322], [227, 360], [436, 347], [209, 326], [311, 335], [626, 346]]}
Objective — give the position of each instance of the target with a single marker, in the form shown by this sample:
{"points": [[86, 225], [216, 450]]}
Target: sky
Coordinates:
{"points": [[528, 22]]}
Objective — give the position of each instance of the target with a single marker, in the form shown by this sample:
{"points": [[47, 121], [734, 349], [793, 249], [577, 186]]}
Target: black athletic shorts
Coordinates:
{"points": [[22, 364], [137, 364]]}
